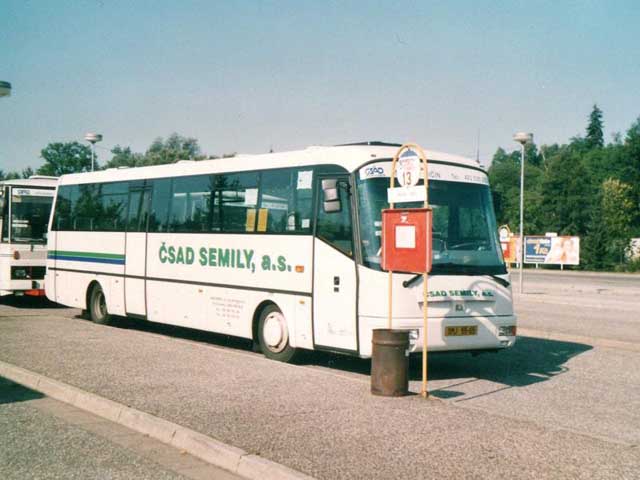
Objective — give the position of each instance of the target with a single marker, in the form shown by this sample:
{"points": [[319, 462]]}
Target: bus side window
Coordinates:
{"points": [[238, 196], [277, 212], [190, 204], [4, 215], [87, 207], [113, 207], [160, 205], [335, 227], [138, 208], [65, 205]]}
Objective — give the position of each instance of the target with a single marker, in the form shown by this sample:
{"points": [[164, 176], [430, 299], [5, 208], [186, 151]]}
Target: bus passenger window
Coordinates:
{"points": [[112, 212], [190, 204], [238, 197], [4, 214], [276, 202], [285, 203], [65, 205], [87, 208], [160, 200]]}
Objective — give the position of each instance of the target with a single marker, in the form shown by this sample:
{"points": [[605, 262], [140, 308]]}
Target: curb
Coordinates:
{"points": [[580, 273], [210, 450]]}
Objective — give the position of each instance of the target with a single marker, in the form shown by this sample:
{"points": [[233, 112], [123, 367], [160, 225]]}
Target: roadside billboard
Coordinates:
{"points": [[562, 250]]}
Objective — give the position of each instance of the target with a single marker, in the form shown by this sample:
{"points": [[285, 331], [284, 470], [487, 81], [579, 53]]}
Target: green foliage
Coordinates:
{"points": [[63, 158], [73, 157], [618, 209], [124, 157], [174, 148], [595, 246], [583, 188], [595, 135], [633, 265], [8, 175], [630, 167], [567, 191], [504, 176]]}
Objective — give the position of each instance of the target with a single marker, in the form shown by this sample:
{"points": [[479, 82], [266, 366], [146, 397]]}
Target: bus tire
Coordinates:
{"points": [[273, 335], [98, 306]]}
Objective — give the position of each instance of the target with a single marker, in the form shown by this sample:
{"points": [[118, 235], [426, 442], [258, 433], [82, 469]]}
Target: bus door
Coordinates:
{"points": [[136, 250], [334, 270]]}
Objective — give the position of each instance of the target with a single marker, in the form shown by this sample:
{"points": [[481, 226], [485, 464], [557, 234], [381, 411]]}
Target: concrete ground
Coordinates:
{"points": [[564, 403], [43, 438]]}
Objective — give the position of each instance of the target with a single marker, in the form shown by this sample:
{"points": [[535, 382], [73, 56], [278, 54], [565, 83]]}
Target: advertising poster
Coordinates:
{"points": [[510, 249], [552, 250]]}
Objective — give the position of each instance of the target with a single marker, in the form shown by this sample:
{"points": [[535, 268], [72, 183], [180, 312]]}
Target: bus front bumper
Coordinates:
{"points": [[447, 333]]}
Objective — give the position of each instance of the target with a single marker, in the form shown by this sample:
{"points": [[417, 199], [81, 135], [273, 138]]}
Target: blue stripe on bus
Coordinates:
{"points": [[112, 261]]}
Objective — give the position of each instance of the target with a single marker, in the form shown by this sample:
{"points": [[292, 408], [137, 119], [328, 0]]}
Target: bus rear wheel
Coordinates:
{"points": [[98, 306], [273, 335]]}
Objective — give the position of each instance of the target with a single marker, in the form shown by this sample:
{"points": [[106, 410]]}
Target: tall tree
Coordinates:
{"points": [[567, 193], [631, 168], [27, 172], [504, 177], [62, 158], [595, 135]]}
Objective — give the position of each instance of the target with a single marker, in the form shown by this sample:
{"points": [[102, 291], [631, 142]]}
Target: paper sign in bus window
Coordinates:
{"points": [[251, 197], [305, 179], [405, 236], [251, 220], [263, 215]]}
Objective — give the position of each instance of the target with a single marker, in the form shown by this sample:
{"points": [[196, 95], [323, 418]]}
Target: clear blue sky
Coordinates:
{"points": [[246, 76]]}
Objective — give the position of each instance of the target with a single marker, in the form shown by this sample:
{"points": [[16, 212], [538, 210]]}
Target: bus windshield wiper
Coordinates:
{"points": [[412, 280], [450, 268], [501, 281]]}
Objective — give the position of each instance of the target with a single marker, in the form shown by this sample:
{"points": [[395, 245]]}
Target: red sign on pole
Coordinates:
{"points": [[406, 240]]}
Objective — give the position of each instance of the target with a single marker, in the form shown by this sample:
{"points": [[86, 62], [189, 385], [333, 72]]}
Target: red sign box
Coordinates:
{"points": [[406, 240]]}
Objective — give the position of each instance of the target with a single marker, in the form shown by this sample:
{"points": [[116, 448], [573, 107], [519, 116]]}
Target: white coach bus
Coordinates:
{"points": [[25, 208], [247, 246]]}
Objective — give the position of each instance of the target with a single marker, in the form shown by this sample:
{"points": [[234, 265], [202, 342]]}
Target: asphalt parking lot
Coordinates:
{"points": [[563, 403]]}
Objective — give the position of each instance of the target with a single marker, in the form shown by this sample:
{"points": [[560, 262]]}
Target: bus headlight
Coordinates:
{"points": [[507, 331], [413, 338]]}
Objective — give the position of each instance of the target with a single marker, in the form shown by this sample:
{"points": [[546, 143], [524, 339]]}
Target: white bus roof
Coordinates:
{"points": [[349, 157], [32, 181]]}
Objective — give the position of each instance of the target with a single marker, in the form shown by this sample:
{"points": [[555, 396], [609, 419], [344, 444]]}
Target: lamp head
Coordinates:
{"points": [[93, 137], [523, 137]]}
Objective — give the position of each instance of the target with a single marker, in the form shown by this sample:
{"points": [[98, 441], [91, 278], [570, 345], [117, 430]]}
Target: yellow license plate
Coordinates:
{"points": [[464, 330]]}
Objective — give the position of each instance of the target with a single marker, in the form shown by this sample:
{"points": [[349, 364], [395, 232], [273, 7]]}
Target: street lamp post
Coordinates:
{"points": [[522, 138], [93, 138], [5, 89]]}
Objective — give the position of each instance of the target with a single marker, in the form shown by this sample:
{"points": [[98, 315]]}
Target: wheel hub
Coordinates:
{"points": [[275, 332]]}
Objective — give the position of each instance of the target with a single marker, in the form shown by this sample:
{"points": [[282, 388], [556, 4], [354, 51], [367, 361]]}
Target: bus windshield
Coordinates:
{"points": [[464, 226], [30, 216]]}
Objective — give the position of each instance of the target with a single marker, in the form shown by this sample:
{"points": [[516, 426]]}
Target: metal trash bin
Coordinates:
{"points": [[390, 362]]}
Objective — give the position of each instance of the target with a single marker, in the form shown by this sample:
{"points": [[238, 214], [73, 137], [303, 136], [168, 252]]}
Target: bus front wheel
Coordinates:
{"points": [[98, 306], [274, 335]]}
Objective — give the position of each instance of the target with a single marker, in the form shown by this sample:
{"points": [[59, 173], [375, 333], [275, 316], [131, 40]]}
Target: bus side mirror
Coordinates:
{"points": [[330, 195]]}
